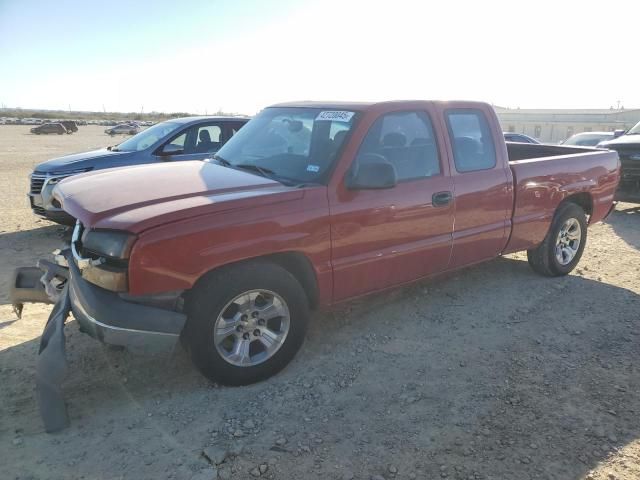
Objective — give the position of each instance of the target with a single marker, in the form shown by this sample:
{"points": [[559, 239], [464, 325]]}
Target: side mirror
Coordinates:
{"points": [[618, 133], [371, 171], [171, 149]]}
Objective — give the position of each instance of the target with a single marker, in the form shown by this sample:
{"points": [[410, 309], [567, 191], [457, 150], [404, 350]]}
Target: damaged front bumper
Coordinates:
{"points": [[102, 314]]}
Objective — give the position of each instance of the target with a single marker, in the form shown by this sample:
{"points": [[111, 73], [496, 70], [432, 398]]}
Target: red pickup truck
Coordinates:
{"points": [[308, 205]]}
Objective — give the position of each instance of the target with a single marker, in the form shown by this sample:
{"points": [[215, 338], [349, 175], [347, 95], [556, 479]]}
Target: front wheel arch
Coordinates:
{"points": [[296, 263], [206, 303]]}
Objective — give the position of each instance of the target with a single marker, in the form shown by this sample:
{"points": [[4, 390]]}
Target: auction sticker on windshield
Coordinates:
{"points": [[336, 115]]}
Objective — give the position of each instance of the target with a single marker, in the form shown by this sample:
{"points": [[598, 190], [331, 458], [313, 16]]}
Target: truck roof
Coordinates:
{"points": [[201, 118], [361, 106]]}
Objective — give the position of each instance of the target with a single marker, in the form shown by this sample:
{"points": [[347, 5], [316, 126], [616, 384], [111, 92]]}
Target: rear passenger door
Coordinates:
{"points": [[390, 236], [482, 184]]}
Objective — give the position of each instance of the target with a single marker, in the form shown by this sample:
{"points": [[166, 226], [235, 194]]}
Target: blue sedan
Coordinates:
{"points": [[189, 138]]}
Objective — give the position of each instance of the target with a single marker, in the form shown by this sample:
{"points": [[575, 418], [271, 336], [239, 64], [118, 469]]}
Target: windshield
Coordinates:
{"points": [[147, 137], [588, 139], [635, 130], [298, 145]]}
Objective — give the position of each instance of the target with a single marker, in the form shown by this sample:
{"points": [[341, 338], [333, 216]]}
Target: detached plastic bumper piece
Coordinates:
{"points": [[102, 314], [27, 287], [51, 367]]}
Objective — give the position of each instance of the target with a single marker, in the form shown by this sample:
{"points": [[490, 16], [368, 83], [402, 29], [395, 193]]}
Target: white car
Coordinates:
{"points": [[123, 129]]}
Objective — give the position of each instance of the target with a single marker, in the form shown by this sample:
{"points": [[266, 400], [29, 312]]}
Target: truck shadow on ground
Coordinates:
{"points": [[625, 220], [540, 381]]}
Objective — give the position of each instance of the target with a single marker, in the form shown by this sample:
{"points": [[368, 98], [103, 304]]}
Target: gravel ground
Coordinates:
{"points": [[489, 373]]}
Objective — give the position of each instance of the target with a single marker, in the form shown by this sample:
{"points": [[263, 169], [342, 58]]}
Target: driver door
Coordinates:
{"points": [[386, 237]]}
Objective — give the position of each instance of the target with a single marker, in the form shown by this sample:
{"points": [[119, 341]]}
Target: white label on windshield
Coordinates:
{"points": [[313, 168], [336, 115]]}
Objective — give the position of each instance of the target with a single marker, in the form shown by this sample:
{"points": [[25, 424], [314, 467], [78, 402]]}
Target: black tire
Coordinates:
{"points": [[543, 258], [210, 296]]}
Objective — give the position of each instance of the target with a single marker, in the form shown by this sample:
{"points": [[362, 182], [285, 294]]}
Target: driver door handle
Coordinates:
{"points": [[441, 199]]}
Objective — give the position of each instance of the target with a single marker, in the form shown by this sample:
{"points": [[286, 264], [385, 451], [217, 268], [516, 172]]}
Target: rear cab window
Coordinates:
{"points": [[471, 140]]}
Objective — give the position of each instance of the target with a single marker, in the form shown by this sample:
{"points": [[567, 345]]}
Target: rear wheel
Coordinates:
{"points": [[562, 248], [245, 323]]}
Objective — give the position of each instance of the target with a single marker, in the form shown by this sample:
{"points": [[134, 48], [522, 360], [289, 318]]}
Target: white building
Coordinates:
{"points": [[555, 125]]}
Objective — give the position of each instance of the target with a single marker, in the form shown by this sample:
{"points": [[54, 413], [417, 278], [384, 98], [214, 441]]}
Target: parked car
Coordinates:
{"points": [[70, 125], [519, 138], [123, 129], [628, 148], [190, 138], [49, 128], [310, 204], [588, 139]]}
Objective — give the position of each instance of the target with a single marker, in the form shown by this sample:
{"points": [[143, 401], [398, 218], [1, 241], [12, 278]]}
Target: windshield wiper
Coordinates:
{"points": [[262, 171], [265, 172], [306, 184], [222, 161]]}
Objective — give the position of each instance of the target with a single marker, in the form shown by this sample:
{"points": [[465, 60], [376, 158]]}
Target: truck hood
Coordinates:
{"points": [[141, 197], [622, 142], [88, 160]]}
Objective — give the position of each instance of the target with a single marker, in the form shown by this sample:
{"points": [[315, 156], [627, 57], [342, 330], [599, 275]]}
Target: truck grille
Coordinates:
{"points": [[37, 180], [630, 167]]}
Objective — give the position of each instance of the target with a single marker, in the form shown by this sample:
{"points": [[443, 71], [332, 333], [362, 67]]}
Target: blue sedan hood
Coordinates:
{"points": [[96, 159]]}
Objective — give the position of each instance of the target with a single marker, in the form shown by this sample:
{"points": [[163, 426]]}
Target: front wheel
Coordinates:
{"points": [[246, 322], [562, 248]]}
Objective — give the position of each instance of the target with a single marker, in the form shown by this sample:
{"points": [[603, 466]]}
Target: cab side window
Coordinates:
{"points": [[471, 140], [406, 140], [208, 139]]}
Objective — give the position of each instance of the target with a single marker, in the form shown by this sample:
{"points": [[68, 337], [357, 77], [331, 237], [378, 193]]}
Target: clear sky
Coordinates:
{"points": [[241, 55]]}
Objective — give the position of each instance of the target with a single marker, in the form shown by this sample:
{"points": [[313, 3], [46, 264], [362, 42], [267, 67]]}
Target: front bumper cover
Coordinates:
{"points": [[101, 314]]}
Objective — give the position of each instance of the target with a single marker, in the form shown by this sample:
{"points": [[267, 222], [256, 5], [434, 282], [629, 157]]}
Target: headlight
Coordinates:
{"points": [[103, 256], [108, 243]]}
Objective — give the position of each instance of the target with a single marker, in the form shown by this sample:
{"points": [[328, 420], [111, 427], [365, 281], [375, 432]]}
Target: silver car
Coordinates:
{"points": [[123, 129]]}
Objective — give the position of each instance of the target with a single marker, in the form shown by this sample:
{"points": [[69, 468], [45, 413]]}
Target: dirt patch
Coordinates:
{"points": [[493, 372]]}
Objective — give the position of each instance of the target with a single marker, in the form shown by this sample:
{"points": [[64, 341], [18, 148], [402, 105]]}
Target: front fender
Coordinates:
{"points": [[174, 256]]}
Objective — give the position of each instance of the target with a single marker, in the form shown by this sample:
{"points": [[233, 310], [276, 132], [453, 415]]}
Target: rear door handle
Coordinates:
{"points": [[441, 199]]}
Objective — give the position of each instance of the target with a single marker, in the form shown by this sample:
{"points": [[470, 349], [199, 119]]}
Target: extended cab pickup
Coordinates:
{"points": [[308, 205]]}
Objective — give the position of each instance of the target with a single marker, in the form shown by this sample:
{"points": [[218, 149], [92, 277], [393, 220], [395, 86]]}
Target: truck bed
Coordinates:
{"points": [[528, 151], [544, 175]]}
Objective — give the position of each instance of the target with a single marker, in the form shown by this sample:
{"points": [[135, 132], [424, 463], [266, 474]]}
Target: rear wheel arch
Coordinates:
{"points": [[583, 199], [543, 258]]}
